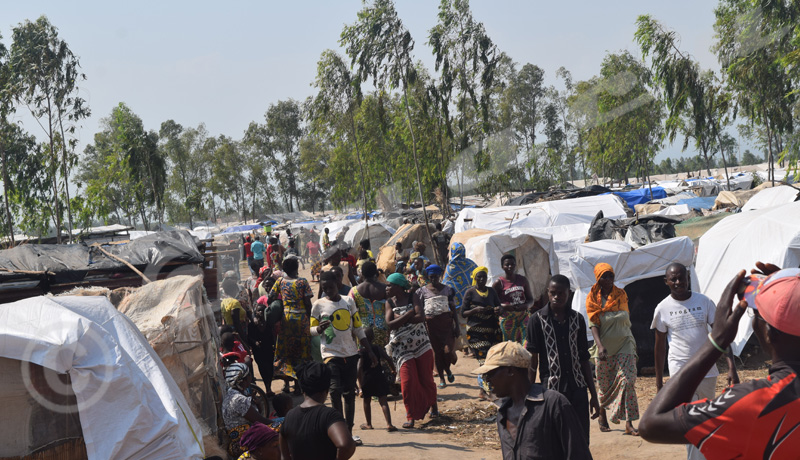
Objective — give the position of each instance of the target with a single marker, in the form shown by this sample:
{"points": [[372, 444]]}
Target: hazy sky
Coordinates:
{"points": [[224, 63]]}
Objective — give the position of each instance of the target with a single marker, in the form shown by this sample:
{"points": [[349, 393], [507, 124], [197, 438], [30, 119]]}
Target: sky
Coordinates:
{"points": [[224, 63]]}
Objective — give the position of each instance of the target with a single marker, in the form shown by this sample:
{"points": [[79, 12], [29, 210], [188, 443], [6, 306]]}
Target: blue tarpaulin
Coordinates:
{"points": [[642, 195], [703, 202], [242, 228]]}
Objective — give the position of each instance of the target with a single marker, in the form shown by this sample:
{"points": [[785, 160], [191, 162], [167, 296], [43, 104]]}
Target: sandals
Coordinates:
{"points": [[391, 428], [450, 377], [604, 428], [408, 425], [364, 426], [441, 385]]}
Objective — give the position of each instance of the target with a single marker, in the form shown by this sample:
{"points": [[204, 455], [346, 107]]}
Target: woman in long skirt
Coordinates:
{"points": [[293, 347], [482, 309], [614, 350]]}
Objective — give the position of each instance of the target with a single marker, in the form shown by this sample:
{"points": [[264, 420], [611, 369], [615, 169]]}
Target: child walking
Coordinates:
{"points": [[373, 383]]}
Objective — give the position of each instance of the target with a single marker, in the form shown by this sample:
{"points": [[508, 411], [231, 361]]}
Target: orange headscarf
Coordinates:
{"points": [[617, 300]]}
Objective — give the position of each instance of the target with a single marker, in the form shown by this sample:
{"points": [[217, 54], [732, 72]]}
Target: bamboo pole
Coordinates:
{"points": [[119, 259]]}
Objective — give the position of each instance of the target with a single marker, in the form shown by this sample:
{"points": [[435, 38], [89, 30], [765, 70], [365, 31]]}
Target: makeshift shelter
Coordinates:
{"points": [[544, 214], [641, 195], [246, 228], [534, 251], [696, 227], [550, 195], [379, 234], [176, 319], [770, 235], [128, 405], [699, 203], [406, 235], [640, 272], [770, 197]]}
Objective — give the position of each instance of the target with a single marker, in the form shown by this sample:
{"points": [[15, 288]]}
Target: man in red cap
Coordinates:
{"points": [[756, 419]]}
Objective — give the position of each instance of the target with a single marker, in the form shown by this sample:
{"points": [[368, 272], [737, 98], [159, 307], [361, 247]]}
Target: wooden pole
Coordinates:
{"points": [[118, 259]]}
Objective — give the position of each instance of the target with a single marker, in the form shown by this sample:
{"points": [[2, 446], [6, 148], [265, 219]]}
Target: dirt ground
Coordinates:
{"points": [[467, 426]]}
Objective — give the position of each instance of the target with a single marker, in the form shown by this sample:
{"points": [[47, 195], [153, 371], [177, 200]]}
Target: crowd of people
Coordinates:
{"points": [[370, 332]]}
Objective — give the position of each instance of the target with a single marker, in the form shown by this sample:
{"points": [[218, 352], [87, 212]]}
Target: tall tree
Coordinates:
{"points": [[380, 45], [284, 130], [47, 73], [184, 150]]}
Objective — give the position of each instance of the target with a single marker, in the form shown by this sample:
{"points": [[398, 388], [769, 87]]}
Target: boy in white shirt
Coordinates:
{"points": [[682, 320], [336, 319]]}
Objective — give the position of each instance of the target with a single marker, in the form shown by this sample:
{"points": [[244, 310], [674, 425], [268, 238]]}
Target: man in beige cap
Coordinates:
{"points": [[532, 422]]}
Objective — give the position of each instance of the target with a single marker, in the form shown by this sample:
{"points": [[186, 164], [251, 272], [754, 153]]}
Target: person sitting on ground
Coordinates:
{"points": [[313, 431], [532, 422], [560, 352], [238, 412], [232, 350], [755, 419], [373, 382], [682, 319], [261, 443], [281, 404]]}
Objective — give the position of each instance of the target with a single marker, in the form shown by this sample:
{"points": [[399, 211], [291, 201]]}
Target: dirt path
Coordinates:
{"points": [[467, 440]]}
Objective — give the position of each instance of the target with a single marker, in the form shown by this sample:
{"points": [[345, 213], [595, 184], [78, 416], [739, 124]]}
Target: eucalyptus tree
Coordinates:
{"points": [[467, 59], [6, 108], [527, 94], [338, 98], [46, 74], [380, 46], [699, 106], [184, 150], [282, 132]]}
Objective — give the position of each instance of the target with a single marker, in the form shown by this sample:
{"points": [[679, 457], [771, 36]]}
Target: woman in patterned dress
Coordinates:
{"points": [[411, 350], [515, 298], [370, 297], [482, 310], [614, 350], [293, 347]]}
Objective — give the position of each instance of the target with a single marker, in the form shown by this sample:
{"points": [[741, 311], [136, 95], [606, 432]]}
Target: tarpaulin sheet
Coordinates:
{"points": [[70, 262], [770, 235], [641, 195], [128, 404], [242, 228], [770, 197], [703, 202]]}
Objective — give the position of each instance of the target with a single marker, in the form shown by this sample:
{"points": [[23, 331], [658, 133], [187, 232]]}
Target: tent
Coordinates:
{"points": [[534, 251], [640, 272], [739, 241], [406, 235], [544, 214], [737, 198], [128, 405], [379, 234], [700, 203], [771, 197], [242, 228], [641, 195], [696, 227]]}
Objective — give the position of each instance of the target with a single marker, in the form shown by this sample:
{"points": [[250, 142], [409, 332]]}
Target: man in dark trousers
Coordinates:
{"points": [[560, 351], [532, 422]]}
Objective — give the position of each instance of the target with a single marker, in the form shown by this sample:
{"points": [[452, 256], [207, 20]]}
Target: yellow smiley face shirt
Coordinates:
{"points": [[345, 323]]}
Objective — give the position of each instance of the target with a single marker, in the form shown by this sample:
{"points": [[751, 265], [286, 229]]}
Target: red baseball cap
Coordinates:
{"points": [[778, 300]]}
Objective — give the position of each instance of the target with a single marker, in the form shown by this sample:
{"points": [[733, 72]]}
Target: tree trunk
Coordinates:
{"points": [[416, 167], [360, 167], [6, 186], [771, 172], [65, 172], [54, 159]]}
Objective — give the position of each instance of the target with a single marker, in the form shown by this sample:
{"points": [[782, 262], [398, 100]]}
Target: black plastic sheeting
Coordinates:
{"points": [[551, 195], [71, 262], [645, 230]]}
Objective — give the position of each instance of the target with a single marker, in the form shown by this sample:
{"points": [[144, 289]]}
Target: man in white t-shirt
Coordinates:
{"points": [[336, 320], [682, 320]]}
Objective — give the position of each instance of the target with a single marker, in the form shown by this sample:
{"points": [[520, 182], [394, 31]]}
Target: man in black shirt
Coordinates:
{"points": [[313, 431], [532, 422], [558, 334]]}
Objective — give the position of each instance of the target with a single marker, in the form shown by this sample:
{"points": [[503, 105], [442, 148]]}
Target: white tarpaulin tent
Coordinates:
{"points": [[128, 404], [770, 235], [379, 234], [629, 265], [534, 252], [770, 197], [566, 239], [545, 214]]}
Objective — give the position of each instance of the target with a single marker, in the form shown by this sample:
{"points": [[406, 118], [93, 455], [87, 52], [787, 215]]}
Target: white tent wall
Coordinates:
{"points": [[544, 214], [566, 239], [334, 228], [379, 234], [629, 265], [770, 235], [129, 405], [770, 197], [534, 251]]}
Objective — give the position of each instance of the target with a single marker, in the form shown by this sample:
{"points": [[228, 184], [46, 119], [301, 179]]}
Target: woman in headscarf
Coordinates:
{"points": [[260, 442], [482, 310], [438, 302], [411, 350], [238, 412], [614, 350], [293, 347], [459, 277], [515, 298]]}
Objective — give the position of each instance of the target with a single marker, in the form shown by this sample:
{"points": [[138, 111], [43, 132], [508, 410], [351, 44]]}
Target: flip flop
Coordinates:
{"points": [[364, 426], [408, 425], [358, 441], [604, 428], [450, 377], [391, 428], [635, 432], [442, 385]]}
